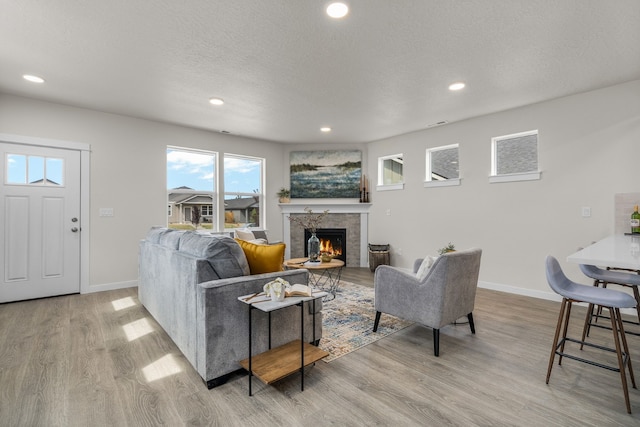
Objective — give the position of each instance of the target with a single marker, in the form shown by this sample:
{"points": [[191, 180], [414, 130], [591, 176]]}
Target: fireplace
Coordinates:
{"points": [[332, 241]]}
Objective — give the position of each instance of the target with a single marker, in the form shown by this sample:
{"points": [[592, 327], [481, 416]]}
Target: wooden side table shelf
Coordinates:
{"points": [[277, 363]]}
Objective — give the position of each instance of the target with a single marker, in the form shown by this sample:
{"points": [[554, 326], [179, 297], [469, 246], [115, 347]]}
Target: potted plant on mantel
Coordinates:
{"points": [[284, 195]]}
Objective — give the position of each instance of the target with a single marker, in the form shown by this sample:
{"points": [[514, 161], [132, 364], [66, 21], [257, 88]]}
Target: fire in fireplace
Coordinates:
{"points": [[332, 241]]}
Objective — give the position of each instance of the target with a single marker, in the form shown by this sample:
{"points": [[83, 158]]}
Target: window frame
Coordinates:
{"points": [[261, 199], [213, 194], [381, 186], [429, 181], [516, 176]]}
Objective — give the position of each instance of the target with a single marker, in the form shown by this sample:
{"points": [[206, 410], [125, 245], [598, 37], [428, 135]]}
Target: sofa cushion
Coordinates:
{"points": [[224, 255], [263, 258], [245, 234], [164, 236]]}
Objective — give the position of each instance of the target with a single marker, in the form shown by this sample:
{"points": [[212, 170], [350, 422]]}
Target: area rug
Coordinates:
{"points": [[347, 321]]}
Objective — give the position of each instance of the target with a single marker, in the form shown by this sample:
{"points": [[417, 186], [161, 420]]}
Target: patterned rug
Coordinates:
{"points": [[348, 321]]}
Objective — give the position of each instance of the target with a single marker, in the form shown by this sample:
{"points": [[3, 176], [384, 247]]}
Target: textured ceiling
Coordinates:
{"points": [[285, 69]]}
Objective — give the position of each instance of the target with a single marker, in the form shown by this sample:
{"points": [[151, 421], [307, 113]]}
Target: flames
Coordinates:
{"points": [[326, 247]]}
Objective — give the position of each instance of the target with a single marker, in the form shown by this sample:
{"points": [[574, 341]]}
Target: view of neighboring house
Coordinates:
{"points": [[181, 204], [183, 200]]}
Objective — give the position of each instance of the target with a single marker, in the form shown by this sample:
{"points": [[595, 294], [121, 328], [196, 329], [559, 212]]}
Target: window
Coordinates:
{"points": [[34, 170], [390, 174], [515, 157], [191, 182], [243, 194], [443, 166]]}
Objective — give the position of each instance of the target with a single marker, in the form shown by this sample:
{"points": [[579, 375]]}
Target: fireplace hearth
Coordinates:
{"points": [[333, 241]]}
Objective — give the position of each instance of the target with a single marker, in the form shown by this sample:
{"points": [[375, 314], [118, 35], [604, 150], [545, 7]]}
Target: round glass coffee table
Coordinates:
{"points": [[322, 275]]}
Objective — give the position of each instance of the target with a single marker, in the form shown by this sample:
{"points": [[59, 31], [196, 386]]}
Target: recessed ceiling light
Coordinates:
{"points": [[216, 101], [456, 86], [325, 129], [33, 79], [337, 10]]}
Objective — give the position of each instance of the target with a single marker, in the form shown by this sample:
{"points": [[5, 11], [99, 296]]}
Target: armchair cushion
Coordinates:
{"points": [[425, 265]]}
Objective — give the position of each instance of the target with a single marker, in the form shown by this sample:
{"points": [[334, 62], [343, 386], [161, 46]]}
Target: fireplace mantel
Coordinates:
{"points": [[289, 208], [334, 208]]}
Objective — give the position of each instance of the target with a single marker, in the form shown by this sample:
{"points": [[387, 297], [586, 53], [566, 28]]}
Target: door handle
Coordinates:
{"points": [[74, 229]]}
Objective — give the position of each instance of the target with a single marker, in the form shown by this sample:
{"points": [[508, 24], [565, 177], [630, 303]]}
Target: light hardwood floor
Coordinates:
{"points": [[101, 360]]}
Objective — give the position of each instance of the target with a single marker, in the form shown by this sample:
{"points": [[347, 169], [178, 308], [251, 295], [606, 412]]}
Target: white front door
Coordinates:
{"points": [[40, 222]]}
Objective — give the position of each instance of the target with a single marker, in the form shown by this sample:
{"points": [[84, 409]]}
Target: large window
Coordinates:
{"points": [[191, 186], [390, 173], [443, 166], [243, 191], [515, 157]]}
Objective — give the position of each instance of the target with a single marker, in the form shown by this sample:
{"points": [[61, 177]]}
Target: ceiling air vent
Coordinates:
{"points": [[440, 123]]}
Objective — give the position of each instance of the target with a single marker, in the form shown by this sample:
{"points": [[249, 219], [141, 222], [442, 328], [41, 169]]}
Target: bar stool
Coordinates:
{"points": [[604, 277], [613, 300]]}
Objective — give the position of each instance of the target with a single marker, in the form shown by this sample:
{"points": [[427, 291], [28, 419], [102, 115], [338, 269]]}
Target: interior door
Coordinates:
{"points": [[40, 225]]}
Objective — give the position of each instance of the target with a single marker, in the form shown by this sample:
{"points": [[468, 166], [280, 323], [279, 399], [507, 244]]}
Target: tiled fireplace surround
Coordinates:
{"points": [[353, 217]]}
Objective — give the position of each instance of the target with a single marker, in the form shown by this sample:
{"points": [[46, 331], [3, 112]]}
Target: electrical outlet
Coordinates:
{"points": [[388, 212], [106, 211]]}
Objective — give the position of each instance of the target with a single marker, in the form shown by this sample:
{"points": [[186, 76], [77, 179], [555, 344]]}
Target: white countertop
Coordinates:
{"points": [[619, 250]]}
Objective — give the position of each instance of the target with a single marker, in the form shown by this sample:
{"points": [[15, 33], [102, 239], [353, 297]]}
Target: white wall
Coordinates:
{"points": [[589, 147], [589, 150], [128, 174]]}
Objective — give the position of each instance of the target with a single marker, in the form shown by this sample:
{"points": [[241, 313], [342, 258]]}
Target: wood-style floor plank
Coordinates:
{"points": [[101, 359]]}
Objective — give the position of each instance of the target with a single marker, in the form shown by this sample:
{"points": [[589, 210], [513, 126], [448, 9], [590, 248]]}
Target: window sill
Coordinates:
{"points": [[513, 177], [444, 183], [390, 187]]}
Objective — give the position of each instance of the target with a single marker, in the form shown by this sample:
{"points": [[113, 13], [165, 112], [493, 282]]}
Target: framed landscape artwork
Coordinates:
{"points": [[325, 174]]}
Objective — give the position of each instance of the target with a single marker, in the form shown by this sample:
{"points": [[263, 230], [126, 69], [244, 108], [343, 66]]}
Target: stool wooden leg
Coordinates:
{"points": [[636, 294], [555, 338], [625, 347], [567, 316], [614, 314], [587, 324]]}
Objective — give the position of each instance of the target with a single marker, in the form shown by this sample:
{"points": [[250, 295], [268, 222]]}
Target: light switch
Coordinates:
{"points": [[106, 211], [586, 212]]}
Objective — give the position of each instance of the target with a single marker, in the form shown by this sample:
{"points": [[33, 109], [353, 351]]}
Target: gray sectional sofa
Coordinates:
{"points": [[189, 282]]}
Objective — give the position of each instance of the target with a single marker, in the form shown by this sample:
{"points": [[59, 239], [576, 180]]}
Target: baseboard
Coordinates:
{"points": [[109, 286], [550, 296]]}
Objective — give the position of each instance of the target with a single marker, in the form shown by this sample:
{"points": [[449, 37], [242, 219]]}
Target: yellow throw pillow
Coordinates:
{"points": [[263, 258]]}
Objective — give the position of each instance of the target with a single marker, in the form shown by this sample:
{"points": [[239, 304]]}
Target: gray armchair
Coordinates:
{"points": [[446, 293]]}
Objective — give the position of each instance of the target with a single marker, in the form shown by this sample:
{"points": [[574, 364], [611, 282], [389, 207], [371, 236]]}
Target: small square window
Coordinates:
{"points": [[390, 172], [443, 166], [515, 157]]}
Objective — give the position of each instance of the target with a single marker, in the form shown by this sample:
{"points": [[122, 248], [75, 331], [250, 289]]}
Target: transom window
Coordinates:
{"points": [[515, 157], [34, 170], [390, 172], [443, 166]]}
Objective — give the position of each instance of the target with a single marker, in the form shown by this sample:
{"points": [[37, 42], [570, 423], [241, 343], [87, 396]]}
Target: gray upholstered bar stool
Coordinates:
{"points": [[602, 277], [607, 298]]}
